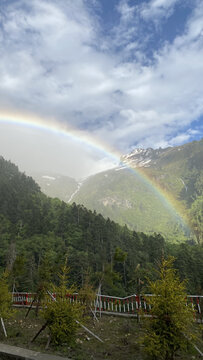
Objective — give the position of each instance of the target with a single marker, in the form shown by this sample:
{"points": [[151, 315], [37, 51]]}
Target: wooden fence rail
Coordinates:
{"points": [[104, 303]]}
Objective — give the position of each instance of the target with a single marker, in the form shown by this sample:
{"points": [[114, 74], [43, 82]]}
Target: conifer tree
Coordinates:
{"points": [[5, 298], [62, 316], [170, 325]]}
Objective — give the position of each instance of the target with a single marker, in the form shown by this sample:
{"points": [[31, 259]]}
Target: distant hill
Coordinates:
{"points": [[178, 170], [54, 185], [124, 197]]}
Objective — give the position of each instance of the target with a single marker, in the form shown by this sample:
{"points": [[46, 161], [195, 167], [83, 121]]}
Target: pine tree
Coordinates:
{"points": [[61, 316], [5, 297], [170, 325]]}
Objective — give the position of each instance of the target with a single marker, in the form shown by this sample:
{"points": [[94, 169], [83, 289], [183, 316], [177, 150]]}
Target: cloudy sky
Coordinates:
{"points": [[125, 73]]}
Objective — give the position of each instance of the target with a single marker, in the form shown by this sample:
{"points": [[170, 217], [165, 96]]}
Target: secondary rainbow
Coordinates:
{"points": [[50, 125]]}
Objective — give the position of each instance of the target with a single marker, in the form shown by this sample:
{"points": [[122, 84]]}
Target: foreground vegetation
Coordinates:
{"points": [[57, 324], [171, 322], [120, 336]]}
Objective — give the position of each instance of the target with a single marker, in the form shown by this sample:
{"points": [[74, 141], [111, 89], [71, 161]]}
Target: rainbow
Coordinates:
{"points": [[60, 129], [57, 128]]}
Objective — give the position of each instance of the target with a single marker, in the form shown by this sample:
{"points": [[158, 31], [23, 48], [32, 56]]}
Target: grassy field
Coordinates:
{"points": [[120, 336]]}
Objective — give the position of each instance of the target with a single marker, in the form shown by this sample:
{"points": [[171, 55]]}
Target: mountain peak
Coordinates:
{"points": [[141, 157]]}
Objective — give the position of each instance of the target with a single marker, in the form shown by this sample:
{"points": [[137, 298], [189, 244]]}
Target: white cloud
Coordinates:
{"points": [[182, 138], [55, 61], [126, 11], [157, 9]]}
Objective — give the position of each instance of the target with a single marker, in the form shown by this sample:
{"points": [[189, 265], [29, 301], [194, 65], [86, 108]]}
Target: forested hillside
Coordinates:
{"points": [[122, 195], [36, 232], [179, 172], [126, 198]]}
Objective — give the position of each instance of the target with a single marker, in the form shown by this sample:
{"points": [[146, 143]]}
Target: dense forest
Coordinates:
{"points": [[37, 232]]}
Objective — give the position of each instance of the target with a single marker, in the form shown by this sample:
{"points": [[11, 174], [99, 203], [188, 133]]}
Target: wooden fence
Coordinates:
{"points": [[104, 303]]}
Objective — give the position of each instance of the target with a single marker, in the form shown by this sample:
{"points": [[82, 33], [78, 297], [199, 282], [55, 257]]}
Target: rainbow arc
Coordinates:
{"points": [[50, 125]]}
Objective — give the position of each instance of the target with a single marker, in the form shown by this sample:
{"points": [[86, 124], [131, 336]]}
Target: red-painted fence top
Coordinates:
{"points": [[105, 303]]}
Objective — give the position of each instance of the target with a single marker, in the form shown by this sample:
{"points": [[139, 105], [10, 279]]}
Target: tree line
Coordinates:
{"points": [[37, 233]]}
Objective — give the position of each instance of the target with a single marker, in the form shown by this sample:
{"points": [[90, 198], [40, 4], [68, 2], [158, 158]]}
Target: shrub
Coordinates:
{"points": [[61, 319]]}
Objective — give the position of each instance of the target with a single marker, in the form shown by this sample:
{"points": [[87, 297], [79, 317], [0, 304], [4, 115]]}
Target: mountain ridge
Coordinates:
{"points": [[126, 198]]}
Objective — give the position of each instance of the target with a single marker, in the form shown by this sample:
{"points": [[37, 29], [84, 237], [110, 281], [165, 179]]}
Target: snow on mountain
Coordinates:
{"points": [[79, 184], [141, 157], [48, 177]]}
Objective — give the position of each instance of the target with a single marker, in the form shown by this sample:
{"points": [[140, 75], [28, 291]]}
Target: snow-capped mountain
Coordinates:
{"points": [[142, 157]]}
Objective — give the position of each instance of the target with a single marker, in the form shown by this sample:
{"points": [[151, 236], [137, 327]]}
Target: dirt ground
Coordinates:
{"points": [[120, 338]]}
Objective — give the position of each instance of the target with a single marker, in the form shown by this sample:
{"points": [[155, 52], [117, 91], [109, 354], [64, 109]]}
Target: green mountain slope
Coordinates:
{"points": [[36, 233], [126, 198], [178, 171], [16, 192], [54, 185]]}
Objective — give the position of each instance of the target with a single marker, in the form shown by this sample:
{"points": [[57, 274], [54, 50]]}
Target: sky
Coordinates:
{"points": [[123, 73]]}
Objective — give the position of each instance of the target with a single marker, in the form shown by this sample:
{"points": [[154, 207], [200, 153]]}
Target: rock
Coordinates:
{"points": [[78, 341]]}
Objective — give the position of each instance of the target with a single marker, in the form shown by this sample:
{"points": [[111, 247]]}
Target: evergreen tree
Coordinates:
{"points": [[170, 326], [5, 297], [62, 316]]}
